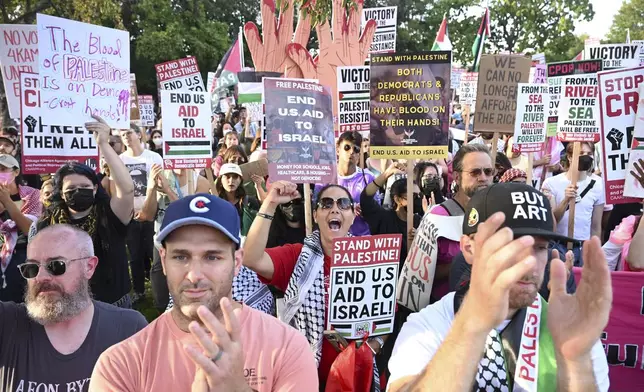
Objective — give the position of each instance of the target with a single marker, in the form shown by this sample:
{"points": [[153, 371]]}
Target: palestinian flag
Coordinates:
{"points": [[249, 92], [479, 43], [442, 41], [188, 148], [373, 327], [579, 56], [229, 66]]}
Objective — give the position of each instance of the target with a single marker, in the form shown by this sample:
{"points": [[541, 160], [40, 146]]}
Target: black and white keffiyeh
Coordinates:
{"points": [[304, 303], [249, 290]]}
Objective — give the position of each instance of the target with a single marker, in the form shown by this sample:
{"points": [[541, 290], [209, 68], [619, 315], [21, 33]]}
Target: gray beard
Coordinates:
{"points": [[46, 311]]}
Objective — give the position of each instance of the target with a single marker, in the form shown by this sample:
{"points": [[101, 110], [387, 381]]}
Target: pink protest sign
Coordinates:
{"points": [[84, 69], [623, 337]]}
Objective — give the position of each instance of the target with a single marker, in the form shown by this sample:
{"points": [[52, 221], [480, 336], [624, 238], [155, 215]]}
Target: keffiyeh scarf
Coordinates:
{"points": [[303, 303]]}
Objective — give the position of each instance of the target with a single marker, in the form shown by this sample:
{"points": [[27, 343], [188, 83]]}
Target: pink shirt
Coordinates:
{"points": [[277, 358], [447, 249]]}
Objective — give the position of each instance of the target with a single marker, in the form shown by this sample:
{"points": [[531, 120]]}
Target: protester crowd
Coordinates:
{"points": [[77, 252]]}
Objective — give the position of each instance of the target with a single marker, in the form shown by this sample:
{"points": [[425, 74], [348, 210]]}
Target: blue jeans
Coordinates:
{"points": [[562, 248]]}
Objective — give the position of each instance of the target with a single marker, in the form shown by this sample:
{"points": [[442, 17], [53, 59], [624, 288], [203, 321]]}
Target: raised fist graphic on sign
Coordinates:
{"points": [[615, 137]]}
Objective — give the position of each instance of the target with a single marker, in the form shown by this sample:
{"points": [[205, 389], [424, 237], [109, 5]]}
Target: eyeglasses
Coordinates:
{"points": [[356, 149], [343, 203], [56, 267], [488, 171]]}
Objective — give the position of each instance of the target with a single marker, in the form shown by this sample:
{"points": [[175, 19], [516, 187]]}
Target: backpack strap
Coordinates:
{"points": [[452, 207]]}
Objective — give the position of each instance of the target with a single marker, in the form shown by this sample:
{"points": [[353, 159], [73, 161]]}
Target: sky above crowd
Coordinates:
{"points": [[605, 10]]}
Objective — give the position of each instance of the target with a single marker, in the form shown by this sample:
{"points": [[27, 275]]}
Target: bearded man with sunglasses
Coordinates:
{"points": [[53, 340]]}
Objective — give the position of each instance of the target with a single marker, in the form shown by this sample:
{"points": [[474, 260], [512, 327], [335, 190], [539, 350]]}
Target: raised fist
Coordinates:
{"points": [[31, 123], [615, 136]]}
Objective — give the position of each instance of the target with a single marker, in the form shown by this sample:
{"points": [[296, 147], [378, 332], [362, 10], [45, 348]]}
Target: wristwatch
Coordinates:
{"points": [[380, 342]]}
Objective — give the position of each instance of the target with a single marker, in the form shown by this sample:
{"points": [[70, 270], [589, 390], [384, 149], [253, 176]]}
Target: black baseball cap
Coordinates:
{"points": [[527, 211]]}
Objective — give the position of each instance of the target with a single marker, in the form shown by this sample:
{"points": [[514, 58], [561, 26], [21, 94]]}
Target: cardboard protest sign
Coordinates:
{"points": [[417, 274], [530, 128], [186, 129], [618, 100], [455, 78], [496, 103], [410, 105], [84, 69], [180, 75], [299, 127], [146, 109], [353, 99], [468, 85], [578, 114], [18, 53], [362, 295], [384, 41], [622, 338], [556, 73], [135, 113], [615, 56], [632, 187], [258, 167], [47, 146]]}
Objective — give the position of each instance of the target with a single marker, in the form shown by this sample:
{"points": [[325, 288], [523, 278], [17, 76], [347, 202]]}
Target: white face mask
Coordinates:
{"points": [[157, 141]]}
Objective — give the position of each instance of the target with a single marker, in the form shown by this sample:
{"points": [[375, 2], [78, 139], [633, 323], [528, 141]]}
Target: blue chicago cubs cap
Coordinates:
{"points": [[201, 209]]}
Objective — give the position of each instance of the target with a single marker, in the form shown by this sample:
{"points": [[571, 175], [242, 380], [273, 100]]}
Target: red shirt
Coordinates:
{"points": [[284, 259]]}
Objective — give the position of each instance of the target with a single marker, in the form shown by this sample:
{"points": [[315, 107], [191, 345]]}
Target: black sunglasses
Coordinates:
{"points": [[488, 171], [344, 203], [57, 267], [294, 202], [356, 149]]}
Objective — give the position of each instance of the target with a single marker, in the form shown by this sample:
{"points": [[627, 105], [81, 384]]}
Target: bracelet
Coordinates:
{"points": [[376, 184], [265, 216]]}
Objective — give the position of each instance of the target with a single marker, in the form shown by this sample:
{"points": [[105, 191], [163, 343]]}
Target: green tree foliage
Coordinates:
{"points": [[537, 25], [571, 48], [166, 31], [630, 16]]}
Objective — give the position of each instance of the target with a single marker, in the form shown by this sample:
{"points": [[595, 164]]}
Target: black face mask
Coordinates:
{"points": [[293, 212], [430, 185], [585, 163], [80, 199]]}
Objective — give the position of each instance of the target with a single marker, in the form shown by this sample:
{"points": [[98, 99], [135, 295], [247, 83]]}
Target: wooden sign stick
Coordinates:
{"points": [[410, 199], [495, 141], [530, 166], [574, 175], [307, 209]]}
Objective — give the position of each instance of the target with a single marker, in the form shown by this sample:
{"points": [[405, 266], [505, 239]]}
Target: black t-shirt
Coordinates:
{"points": [[29, 362], [384, 221], [111, 280]]}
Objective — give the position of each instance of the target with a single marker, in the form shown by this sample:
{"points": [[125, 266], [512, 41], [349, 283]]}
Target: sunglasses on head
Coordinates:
{"points": [[56, 267], [344, 203], [488, 171], [356, 149]]}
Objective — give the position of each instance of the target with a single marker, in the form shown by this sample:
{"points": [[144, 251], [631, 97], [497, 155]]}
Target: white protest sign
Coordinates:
{"points": [[539, 58], [210, 82], [353, 98], [468, 88], [615, 55], [618, 100], [180, 75], [186, 129], [531, 120], [632, 187], [18, 53], [384, 41], [455, 78], [362, 294], [46, 146], [417, 275], [579, 109], [641, 44], [146, 107], [84, 69]]}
